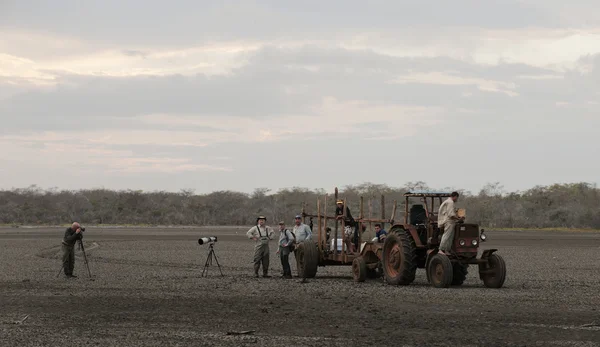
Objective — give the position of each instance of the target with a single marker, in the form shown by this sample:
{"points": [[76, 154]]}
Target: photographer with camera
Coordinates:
{"points": [[72, 235]]}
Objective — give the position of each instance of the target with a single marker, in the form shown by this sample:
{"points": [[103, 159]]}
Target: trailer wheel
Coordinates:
{"points": [[460, 272], [399, 257], [310, 257], [440, 271], [495, 272], [359, 269]]}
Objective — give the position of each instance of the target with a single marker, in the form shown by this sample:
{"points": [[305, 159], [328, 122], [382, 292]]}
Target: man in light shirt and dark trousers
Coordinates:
{"points": [[301, 232]]}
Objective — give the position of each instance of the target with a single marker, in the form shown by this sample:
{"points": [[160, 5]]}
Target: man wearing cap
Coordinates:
{"points": [[261, 234], [286, 241], [301, 232]]}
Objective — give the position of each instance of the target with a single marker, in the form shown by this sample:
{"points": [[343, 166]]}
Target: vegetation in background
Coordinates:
{"points": [[574, 205]]}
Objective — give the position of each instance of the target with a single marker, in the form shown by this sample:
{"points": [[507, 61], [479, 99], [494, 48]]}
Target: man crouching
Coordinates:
{"points": [[72, 234]]}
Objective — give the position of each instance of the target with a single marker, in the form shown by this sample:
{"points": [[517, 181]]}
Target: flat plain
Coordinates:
{"points": [[146, 290]]}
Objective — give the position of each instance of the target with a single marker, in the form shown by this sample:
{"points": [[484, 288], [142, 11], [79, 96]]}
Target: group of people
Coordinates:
{"points": [[288, 242], [290, 239]]}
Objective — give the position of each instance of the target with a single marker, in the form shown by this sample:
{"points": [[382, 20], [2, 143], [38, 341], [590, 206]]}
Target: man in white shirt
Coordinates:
{"points": [[447, 218], [261, 234]]}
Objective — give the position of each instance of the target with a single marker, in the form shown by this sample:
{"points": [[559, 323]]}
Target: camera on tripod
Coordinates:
{"points": [[204, 240], [211, 253]]}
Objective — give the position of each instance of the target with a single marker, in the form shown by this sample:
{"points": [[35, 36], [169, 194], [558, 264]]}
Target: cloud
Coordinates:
{"points": [[204, 93], [448, 79], [86, 156]]}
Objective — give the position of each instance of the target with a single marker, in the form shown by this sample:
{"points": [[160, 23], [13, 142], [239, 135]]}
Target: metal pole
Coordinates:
{"points": [[336, 228], [319, 221]]}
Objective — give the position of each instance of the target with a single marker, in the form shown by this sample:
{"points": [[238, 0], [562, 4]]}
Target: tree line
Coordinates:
{"points": [[573, 205]]}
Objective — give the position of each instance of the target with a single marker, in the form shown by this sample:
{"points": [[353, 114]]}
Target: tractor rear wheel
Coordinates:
{"points": [[440, 271], [460, 272], [495, 272], [359, 269], [399, 257], [310, 258]]}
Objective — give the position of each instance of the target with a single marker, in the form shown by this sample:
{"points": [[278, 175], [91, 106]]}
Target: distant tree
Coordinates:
{"points": [[557, 205]]}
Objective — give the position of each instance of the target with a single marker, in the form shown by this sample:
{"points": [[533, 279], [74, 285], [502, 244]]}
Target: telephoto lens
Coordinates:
{"points": [[204, 240]]}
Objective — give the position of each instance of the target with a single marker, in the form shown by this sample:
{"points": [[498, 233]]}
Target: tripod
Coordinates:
{"points": [[82, 249], [211, 255]]}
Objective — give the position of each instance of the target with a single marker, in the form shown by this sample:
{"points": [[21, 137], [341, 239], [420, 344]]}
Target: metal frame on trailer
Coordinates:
{"points": [[341, 257]]}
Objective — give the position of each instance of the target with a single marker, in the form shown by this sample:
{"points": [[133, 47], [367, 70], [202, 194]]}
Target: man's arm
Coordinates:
{"points": [[71, 238], [250, 233], [451, 211], [308, 232], [270, 232]]}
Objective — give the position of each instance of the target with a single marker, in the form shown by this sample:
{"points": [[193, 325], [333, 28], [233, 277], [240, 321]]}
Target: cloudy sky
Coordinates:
{"points": [[217, 95]]}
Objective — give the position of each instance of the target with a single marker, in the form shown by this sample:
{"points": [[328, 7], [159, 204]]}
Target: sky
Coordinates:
{"points": [[238, 95]]}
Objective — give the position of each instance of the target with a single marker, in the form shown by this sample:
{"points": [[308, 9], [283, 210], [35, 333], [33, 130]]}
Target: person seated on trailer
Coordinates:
{"points": [[380, 233], [350, 231], [418, 215]]}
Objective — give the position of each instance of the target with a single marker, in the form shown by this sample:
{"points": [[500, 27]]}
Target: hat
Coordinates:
{"points": [[281, 223], [298, 216], [261, 217], [339, 201]]}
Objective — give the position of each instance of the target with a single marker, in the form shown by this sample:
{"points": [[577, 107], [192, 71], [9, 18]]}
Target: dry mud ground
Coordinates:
{"points": [[147, 291]]}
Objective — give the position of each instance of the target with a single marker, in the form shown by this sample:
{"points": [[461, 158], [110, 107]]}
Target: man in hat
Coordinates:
{"points": [[286, 241], [350, 227], [261, 234]]}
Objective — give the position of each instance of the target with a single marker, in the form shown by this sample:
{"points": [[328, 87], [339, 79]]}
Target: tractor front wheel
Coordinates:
{"points": [[399, 257], [494, 273], [440, 271], [359, 269]]}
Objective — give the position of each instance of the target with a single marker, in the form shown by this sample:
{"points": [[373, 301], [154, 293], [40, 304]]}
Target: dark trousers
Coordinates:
{"points": [[285, 263], [355, 238], [68, 259]]}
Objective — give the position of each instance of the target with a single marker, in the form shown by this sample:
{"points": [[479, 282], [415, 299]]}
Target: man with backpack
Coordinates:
{"points": [[286, 245]]}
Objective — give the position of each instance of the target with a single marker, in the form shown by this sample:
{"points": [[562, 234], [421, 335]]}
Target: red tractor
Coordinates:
{"points": [[415, 244]]}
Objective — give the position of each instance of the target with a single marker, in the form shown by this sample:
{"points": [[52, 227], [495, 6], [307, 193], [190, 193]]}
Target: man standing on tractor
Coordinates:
{"points": [[447, 219], [301, 232], [261, 234], [350, 230]]}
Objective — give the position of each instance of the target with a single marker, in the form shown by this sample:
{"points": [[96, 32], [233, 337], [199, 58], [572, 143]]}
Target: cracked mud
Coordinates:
{"points": [[147, 290]]}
